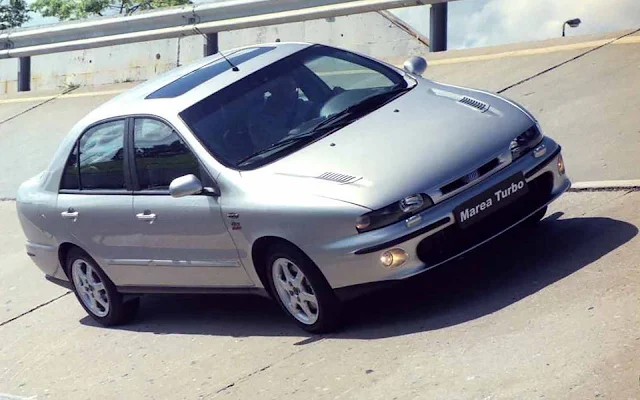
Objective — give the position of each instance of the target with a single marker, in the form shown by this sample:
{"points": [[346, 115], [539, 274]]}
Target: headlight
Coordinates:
{"points": [[393, 213], [525, 142]]}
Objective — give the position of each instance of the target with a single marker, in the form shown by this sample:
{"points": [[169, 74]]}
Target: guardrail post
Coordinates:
{"points": [[24, 74], [438, 27], [211, 44]]}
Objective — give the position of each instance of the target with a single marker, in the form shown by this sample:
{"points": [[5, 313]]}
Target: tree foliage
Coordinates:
{"points": [[77, 9], [13, 13]]}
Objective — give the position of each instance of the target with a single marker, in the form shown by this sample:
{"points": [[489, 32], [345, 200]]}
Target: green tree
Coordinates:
{"points": [[76, 9], [13, 13]]}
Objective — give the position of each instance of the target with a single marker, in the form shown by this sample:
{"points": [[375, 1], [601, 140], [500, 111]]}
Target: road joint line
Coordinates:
{"points": [[248, 376], [36, 106], [34, 309]]}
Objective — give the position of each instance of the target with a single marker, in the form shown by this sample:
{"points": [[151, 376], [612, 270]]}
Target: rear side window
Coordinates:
{"points": [[70, 177], [102, 156], [161, 155], [97, 159]]}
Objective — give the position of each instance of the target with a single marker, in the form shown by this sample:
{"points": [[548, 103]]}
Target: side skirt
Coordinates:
{"points": [[191, 290]]}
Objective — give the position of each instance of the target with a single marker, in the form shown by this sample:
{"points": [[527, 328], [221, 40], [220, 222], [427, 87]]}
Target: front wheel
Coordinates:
{"points": [[301, 290], [96, 293]]}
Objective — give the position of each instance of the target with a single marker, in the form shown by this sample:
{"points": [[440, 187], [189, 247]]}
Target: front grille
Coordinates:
{"points": [[454, 240], [460, 182]]}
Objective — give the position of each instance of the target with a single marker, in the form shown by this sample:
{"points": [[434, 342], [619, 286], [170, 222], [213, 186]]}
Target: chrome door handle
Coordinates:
{"points": [[69, 214], [146, 217]]}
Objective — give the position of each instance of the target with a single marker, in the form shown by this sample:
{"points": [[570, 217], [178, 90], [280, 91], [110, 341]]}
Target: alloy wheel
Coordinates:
{"points": [[295, 291], [90, 287]]}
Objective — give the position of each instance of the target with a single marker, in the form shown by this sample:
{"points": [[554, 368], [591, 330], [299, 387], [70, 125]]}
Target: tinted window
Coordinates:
{"points": [[161, 155], [184, 84], [243, 124], [70, 176], [102, 156]]}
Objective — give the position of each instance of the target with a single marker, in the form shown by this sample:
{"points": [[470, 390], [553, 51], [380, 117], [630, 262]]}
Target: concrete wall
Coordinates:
{"points": [[370, 33]]}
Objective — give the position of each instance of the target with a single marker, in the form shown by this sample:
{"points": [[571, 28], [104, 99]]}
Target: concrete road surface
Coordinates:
{"points": [[582, 89], [548, 313]]}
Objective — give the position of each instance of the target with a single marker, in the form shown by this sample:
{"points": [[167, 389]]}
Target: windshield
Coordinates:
{"points": [[289, 104]]}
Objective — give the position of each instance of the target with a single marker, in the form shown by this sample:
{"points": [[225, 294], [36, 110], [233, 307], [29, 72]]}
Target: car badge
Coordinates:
{"points": [[472, 176]]}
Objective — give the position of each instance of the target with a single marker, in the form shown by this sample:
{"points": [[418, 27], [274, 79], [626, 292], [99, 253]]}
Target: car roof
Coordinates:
{"points": [[142, 99]]}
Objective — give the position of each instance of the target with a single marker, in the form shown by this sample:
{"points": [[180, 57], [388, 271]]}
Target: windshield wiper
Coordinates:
{"points": [[324, 127], [363, 105], [356, 109], [330, 123], [276, 145]]}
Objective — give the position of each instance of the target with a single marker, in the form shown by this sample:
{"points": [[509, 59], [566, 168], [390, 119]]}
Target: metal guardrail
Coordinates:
{"points": [[182, 21], [206, 19]]}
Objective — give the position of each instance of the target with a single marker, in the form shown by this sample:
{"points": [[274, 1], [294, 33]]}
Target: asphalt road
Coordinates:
{"points": [[548, 313]]}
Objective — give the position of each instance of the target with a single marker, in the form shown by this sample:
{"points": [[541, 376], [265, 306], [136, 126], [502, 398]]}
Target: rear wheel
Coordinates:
{"points": [[301, 290], [96, 293]]}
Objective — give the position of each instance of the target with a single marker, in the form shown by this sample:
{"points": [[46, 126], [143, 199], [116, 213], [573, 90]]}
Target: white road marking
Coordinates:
{"points": [[64, 96], [4, 396]]}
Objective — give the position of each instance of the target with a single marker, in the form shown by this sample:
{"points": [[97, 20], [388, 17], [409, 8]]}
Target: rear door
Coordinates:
{"points": [[95, 204], [179, 242]]}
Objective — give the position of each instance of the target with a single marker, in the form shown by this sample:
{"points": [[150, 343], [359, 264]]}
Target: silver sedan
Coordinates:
{"points": [[299, 171]]}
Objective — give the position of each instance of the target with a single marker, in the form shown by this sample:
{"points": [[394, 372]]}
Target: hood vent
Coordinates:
{"points": [[477, 104], [336, 177]]}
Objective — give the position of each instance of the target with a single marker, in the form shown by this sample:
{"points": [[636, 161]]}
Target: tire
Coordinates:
{"points": [[95, 291], [297, 294]]}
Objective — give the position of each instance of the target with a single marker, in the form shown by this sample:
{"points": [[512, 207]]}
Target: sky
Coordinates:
{"points": [[474, 23]]}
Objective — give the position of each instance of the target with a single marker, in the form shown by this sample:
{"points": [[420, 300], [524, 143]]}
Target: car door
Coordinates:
{"points": [[180, 242], [95, 203]]}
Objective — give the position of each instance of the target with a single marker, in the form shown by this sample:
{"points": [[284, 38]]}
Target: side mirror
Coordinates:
{"points": [[415, 65], [185, 186]]}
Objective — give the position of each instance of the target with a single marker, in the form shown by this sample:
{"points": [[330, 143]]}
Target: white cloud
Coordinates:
{"points": [[491, 22], [503, 21]]}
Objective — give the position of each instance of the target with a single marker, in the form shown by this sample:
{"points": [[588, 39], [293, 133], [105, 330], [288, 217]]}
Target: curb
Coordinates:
{"points": [[605, 186]]}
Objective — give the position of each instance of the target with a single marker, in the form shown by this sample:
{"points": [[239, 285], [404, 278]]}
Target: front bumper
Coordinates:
{"points": [[438, 238]]}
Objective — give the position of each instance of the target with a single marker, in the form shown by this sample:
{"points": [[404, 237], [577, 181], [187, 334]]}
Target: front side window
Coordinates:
{"points": [[160, 155], [289, 104], [99, 158]]}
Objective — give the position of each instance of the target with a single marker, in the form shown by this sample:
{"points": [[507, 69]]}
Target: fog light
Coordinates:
{"points": [[393, 258], [561, 169]]}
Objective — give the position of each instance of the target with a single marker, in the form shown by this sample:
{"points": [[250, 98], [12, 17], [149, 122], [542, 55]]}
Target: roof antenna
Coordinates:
{"points": [[233, 67]]}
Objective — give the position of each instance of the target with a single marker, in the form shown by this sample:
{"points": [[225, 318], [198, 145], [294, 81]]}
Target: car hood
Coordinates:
{"points": [[427, 137]]}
